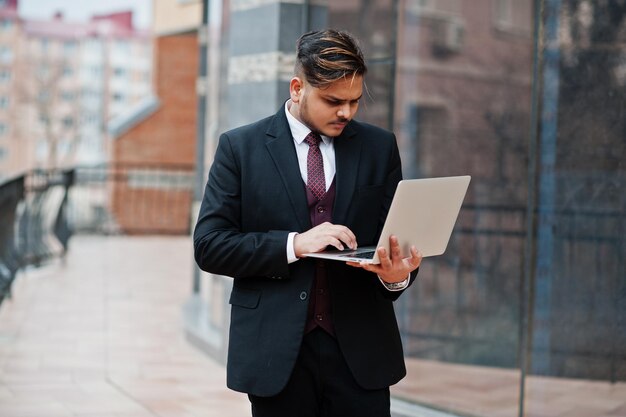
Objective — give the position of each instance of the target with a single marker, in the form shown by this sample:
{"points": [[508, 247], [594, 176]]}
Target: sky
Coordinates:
{"points": [[82, 10]]}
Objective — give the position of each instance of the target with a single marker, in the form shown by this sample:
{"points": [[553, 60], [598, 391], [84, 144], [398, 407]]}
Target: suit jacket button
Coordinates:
{"points": [[303, 295]]}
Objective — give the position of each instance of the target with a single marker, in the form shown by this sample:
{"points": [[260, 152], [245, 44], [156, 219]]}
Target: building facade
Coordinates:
{"points": [[67, 80], [9, 36]]}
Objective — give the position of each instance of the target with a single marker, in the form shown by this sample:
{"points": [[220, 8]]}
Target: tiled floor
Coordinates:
{"points": [[102, 336], [493, 392]]}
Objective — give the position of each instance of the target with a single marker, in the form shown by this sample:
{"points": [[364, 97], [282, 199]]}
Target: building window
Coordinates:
{"points": [[41, 152], [122, 47], [90, 120], [44, 96], [119, 72], [68, 122], [512, 17], [43, 72], [5, 76], [4, 153], [44, 44], [44, 119], [6, 25], [4, 129], [67, 95], [503, 12], [69, 48], [6, 54], [4, 102]]}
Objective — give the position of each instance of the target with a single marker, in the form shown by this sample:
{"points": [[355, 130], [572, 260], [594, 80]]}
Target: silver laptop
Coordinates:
{"points": [[423, 213]]}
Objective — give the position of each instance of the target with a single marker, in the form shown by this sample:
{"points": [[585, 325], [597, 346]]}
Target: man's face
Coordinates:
{"points": [[328, 109]]}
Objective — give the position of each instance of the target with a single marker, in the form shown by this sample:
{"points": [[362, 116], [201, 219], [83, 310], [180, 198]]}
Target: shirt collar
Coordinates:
{"points": [[299, 130]]}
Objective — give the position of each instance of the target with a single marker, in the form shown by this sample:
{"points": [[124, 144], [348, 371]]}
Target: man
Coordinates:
{"points": [[308, 337]]}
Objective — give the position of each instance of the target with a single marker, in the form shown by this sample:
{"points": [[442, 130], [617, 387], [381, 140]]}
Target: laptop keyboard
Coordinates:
{"points": [[362, 255]]}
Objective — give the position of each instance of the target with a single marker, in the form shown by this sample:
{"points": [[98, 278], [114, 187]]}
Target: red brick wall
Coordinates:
{"points": [[144, 210], [168, 136]]}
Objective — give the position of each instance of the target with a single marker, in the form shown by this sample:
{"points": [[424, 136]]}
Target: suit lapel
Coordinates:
{"points": [[347, 157], [281, 148]]}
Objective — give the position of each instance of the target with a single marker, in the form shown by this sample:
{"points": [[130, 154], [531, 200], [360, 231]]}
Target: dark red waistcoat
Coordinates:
{"points": [[319, 314]]}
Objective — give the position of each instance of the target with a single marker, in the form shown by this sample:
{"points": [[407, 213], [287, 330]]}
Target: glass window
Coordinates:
{"points": [[503, 12], [512, 16], [118, 97], [69, 48], [44, 96], [119, 72], [6, 25], [370, 22], [6, 54], [68, 122], [525, 312], [5, 75], [458, 97], [122, 47], [578, 287], [68, 95]]}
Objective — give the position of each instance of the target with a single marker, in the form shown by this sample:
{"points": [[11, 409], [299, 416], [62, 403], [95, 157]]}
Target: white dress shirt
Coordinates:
{"points": [[299, 132]]}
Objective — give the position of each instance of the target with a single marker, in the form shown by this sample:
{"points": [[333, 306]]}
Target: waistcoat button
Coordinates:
{"points": [[303, 295]]}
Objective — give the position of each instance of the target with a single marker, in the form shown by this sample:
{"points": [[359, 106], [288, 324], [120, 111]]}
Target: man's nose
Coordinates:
{"points": [[344, 111]]}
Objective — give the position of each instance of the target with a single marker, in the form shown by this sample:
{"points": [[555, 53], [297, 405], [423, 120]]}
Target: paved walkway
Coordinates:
{"points": [[102, 336]]}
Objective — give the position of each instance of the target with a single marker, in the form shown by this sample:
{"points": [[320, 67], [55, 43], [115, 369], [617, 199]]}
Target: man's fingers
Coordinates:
{"points": [[416, 257], [344, 238], [328, 234], [336, 243], [385, 261], [394, 247]]}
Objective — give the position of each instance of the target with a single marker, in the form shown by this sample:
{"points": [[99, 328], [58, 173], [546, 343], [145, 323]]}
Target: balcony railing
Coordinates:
{"points": [[33, 227], [132, 199], [41, 209]]}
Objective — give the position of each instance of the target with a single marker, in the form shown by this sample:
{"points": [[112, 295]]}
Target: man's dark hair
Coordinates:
{"points": [[326, 56]]}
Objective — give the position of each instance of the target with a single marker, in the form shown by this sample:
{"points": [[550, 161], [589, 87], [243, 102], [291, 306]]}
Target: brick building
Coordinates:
{"points": [[153, 145]]}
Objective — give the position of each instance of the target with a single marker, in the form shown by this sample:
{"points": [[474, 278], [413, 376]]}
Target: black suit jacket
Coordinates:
{"points": [[253, 198]]}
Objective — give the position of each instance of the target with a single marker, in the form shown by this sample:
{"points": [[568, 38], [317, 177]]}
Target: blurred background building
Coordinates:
{"points": [[64, 81], [525, 314]]}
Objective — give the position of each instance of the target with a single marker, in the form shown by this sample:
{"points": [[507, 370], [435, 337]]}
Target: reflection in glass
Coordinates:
{"points": [[463, 107], [579, 299]]}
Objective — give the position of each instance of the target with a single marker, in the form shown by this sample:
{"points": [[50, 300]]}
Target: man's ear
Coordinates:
{"points": [[296, 89]]}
